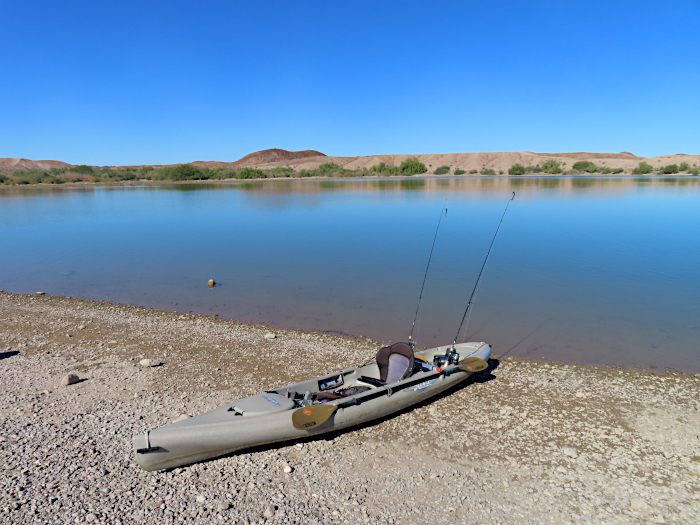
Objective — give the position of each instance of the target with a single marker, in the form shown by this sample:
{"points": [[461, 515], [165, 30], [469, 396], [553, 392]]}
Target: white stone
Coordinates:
{"points": [[70, 379], [269, 336], [580, 394], [201, 499], [638, 504], [570, 451], [150, 362], [562, 470], [269, 512], [287, 469]]}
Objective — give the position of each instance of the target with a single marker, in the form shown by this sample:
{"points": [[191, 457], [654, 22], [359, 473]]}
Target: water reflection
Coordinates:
{"points": [[592, 269]]}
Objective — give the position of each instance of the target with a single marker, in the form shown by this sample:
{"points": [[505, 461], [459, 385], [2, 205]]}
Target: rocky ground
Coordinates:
{"points": [[528, 442]]}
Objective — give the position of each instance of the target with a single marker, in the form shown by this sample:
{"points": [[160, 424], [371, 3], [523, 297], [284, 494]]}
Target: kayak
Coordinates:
{"points": [[395, 380]]}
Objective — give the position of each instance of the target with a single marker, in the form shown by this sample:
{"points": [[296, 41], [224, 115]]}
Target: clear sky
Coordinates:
{"points": [[135, 82]]}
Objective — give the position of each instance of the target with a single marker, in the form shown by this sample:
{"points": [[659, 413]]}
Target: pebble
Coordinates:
{"points": [[146, 363], [580, 394], [287, 469], [270, 336], [211, 283], [69, 379], [269, 512], [570, 451], [638, 504]]}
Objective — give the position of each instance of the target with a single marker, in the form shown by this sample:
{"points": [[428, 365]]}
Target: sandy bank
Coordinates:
{"points": [[529, 442]]}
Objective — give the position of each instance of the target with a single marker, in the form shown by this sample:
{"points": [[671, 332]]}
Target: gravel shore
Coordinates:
{"points": [[527, 442]]}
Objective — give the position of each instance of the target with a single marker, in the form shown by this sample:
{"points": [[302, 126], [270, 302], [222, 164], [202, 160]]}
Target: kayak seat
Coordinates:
{"points": [[395, 363]]}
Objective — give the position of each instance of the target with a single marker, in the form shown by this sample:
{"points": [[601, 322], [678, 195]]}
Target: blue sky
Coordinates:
{"points": [[126, 82]]}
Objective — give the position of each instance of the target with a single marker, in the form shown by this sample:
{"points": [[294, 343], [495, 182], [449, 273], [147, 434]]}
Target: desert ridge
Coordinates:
{"points": [[312, 159]]}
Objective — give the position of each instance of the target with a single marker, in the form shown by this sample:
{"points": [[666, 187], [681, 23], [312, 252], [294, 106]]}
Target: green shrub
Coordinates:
{"points": [[459, 172], [606, 171], [412, 166], [83, 169], [643, 169], [533, 169], [145, 169], [671, 168], [250, 173], [585, 165], [617, 170], [551, 166], [442, 170], [329, 169], [516, 169], [385, 168], [684, 166], [279, 171], [695, 172], [3, 178], [487, 171], [473, 172]]}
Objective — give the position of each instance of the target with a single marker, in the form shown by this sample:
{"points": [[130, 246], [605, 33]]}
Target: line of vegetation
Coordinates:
{"points": [[410, 166]]}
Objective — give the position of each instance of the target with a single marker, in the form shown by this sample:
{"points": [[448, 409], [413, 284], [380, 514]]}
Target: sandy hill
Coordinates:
{"points": [[8, 164], [311, 159], [498, 161]]}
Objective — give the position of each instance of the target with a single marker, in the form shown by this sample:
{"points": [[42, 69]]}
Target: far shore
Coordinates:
{"points": [[524, 442], [144, 182]]}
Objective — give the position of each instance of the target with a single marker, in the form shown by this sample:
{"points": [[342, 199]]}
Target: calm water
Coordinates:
{"points": [[584, 270]]}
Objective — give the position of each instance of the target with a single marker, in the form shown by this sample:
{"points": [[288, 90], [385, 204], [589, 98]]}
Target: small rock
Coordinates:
{"points": [[41, 293], [150, 363], [223, 505], [81, 327], [201, 499], [269, 512], [562, 470], [638, 504], [570, 451], [270, 336], [432, 410], [90, 518], [287, 469], [70, 379], [580, 394], [211, 283], [181, 417]]}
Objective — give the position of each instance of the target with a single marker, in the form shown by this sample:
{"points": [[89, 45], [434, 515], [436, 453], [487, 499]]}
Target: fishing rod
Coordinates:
{"points": [[411, 342], [481, 272]]}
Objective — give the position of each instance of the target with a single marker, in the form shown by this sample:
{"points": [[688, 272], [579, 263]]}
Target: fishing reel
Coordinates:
{"points": [[439, 361], [453, 356]]}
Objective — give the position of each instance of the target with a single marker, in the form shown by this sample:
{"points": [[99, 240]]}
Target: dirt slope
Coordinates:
{"points": [[8, 164], [311, 159]]}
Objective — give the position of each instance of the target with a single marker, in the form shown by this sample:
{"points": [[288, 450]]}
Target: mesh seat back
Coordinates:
{"points": [[403, 368], [398, 365]]}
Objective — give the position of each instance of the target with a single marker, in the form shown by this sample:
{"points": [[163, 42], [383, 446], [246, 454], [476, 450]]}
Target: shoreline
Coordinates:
{"points": [[143, 182], [533, 441]]}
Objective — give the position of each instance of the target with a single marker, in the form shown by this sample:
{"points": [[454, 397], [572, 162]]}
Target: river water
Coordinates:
{"points": [[591, 270]]}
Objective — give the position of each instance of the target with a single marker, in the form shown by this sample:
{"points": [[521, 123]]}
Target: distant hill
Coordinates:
{"points": [[8, 164], [311, 159]]}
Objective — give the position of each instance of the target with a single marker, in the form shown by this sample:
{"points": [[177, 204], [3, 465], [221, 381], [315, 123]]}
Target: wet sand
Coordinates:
{"points": [[527, 442]]}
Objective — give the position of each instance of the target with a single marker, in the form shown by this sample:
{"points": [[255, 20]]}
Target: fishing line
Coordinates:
{"points": [[471, 298], [420, 297]]}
